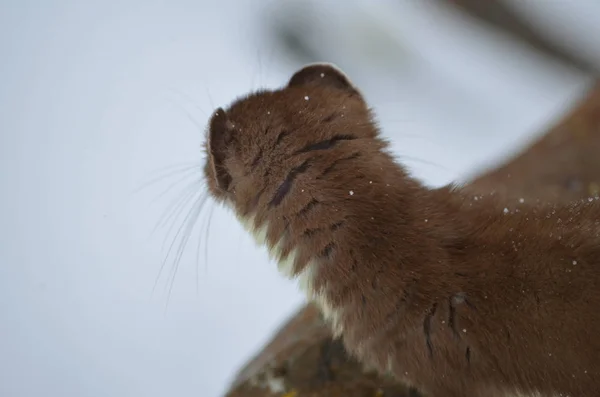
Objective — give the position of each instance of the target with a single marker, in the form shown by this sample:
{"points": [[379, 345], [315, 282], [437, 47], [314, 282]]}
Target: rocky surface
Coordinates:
{"points": [[302, 360]]}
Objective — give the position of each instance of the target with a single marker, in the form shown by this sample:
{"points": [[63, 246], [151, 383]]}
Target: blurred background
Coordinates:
{"points": [[97, 98]]}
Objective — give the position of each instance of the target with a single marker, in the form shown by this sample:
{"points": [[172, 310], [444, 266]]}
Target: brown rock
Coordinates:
{"points": [[302, 360]]}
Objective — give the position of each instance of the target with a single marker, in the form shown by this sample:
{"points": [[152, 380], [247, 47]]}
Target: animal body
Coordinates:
{"points": [[455, 294]]}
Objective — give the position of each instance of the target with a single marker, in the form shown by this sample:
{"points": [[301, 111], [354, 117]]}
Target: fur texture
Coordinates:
{"points": [[455, 294]]}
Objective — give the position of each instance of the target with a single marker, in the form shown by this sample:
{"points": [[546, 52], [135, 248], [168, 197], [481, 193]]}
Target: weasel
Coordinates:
{"points": [[455, 294]]}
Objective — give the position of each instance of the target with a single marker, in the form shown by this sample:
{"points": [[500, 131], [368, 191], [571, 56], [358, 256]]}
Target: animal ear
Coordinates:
{"points": [[220, 136], [326, 74]]}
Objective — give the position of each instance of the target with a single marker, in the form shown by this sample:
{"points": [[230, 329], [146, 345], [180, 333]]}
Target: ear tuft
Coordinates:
{"points": [[326, 74], [220, 136]]}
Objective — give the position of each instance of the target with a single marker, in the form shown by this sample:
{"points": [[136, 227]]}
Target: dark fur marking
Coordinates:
{"points": [[427, 329], [308, 207], [327, 250], [468, 355], [256, 198], [257, 158], [285, 187], [451, 318], [412, 392], [335, 163], [281, 135], [311, 231], [323, 145], [336, 226], [472, 306], [330, 117]]}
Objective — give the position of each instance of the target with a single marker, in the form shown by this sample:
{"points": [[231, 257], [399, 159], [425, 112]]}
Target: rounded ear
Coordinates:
{"points": [[220, 136], [326, 74]]}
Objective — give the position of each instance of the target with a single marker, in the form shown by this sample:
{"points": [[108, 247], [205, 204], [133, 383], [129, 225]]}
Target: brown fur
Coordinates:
{"points": [[450, 292]]}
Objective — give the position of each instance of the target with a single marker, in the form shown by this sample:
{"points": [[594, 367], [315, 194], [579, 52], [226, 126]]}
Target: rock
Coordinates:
{"points": [[302, 360]]}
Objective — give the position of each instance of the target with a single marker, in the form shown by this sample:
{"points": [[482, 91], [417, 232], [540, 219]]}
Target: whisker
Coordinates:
{"points": [[156, 179], [190, 221], [210, 214], [193, 191], [172, 207], [186, 175], [210, 100], [260, 71], [198, 250], [179, 230], [164, 261], [176, 261], [422, 161], [199, 126], [189, 99], [184, 164]]}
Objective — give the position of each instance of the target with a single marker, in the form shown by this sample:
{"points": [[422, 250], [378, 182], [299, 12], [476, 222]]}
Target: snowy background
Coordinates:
{"points": [[98, 97]]}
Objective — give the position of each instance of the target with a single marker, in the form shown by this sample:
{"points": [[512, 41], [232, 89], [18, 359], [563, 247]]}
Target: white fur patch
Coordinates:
{"points": [[285, 266]]}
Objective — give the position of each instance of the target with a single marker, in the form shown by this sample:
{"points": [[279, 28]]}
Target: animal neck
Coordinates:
{"points": [[379, 219]]}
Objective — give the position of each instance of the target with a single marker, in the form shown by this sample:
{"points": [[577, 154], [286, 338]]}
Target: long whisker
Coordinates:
{"points": [[210, 214], [157, 179], [190, 197], [200, 240], [162, 266], [418, 160], [175, 266], [189, 115], [187, 174], [175, 165], [190, 222], [173, 206], [189, 99], [210, 100]]}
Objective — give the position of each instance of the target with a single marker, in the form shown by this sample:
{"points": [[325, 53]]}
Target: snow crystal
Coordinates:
{"points": [[306, 98], [351, 192], [322, 75], [505, 210], [574, 262], [521, 200]]}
